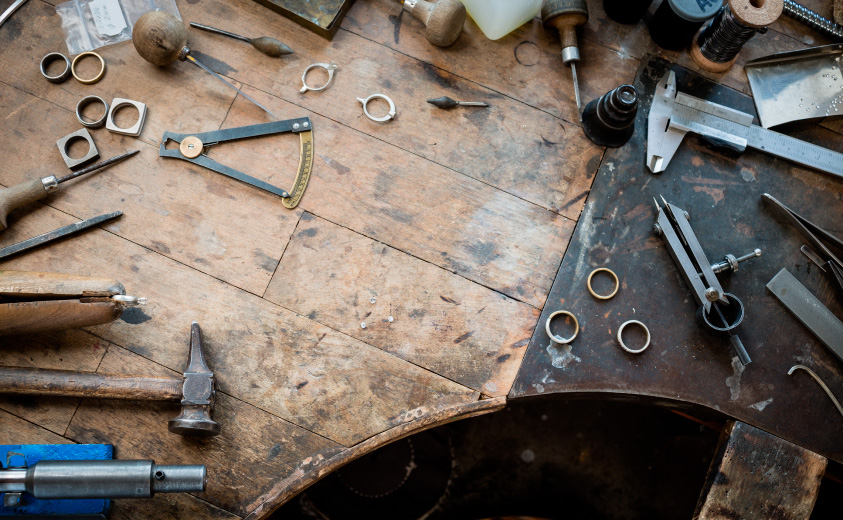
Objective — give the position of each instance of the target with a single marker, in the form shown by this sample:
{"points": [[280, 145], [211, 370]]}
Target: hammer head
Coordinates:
{"points": [[198, 393]]}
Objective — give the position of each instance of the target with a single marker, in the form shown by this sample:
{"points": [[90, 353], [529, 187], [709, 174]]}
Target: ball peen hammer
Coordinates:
{"points": [[195, 390]]}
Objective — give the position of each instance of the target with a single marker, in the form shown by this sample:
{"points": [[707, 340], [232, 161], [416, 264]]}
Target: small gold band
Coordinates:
{"points": [[617, 283], [94, 79], [556, 339]]}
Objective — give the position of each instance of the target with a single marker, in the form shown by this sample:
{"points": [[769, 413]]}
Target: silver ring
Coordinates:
{"points": [[51, 57], [553, 337], [387, 117], [135, 129], [620, 340], [330, 67], [85, 101]]}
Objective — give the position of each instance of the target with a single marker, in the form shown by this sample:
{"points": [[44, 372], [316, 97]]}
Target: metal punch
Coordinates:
{"points": [[192, 148], [65, 141]]}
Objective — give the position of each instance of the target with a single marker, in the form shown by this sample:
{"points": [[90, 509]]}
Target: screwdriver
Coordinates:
{"points": [[36, 189], [161, 38], [446, 102], [566, 16], [265, 44]]}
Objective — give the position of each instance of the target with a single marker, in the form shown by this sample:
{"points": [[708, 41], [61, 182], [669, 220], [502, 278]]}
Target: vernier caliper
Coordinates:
{"points": [[719, 312], [674, 114]]}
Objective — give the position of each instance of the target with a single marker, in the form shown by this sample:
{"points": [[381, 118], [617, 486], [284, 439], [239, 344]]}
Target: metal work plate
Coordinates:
{"points": [[684, 367], [320, 16], [791, 86]]}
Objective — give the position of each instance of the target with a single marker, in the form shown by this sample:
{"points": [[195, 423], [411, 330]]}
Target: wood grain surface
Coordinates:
{"points": [[755, 474], [455, 222]]}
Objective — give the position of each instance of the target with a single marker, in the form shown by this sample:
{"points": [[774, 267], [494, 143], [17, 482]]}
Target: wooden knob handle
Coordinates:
{"points": [[159, 37], [444, 20]]}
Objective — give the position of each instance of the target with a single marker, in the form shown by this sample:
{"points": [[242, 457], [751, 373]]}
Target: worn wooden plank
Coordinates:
{"points": [[65, 350], [410, 308], [177, 97], [757, 475], [253, 449], [525, 65], [15, 430], [168, 506], [259, 351], [513, 146], [419, 207], [190, 214]]}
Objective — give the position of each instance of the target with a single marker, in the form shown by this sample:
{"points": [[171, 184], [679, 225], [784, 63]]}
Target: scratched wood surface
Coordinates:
{"points": [[455, 222], [755, 474]]}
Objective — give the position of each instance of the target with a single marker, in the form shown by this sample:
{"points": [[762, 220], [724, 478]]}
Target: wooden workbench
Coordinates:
{"points": [[454, 223]]}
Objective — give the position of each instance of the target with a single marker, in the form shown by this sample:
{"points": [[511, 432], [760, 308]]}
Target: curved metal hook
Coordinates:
{"points": [[820, 382]]}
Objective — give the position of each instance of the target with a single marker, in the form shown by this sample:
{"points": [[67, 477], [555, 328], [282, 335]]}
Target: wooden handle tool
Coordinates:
{"points": [[443, 20]]}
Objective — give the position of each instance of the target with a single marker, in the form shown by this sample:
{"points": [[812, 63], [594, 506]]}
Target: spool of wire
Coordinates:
{"points": [[717, 46]]}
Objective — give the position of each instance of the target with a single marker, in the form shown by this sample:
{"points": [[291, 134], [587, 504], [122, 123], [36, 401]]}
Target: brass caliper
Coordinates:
{"points": [[192, 148]]}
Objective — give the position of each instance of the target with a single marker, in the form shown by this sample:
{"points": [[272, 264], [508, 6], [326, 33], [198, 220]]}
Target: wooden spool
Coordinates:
{"points": [[752, 13], [160, 38]]}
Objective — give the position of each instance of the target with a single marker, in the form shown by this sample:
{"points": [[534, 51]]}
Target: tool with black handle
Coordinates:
{"points": [[36, 189]]}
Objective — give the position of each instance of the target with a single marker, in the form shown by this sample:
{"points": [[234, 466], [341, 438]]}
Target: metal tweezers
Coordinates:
{"points": [[815, 236]]}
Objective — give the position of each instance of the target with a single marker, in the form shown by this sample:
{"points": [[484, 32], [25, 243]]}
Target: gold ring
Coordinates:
{"points": [[617, 283], [556, 339], [94, 79]]}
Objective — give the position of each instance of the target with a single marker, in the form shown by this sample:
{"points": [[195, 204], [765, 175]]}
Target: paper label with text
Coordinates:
{"points": [[108, 17]]}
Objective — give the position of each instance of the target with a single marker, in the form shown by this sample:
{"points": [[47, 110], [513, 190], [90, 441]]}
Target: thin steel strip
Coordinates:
{"points": [[809, 311], [56, 234]]}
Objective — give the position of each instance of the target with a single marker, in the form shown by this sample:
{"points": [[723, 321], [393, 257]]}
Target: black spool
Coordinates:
{"points": [[675, 22], [626, 11], [610, 119]]}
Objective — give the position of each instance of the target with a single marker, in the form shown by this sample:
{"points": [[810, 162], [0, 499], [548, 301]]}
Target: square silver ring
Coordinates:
{"points": [[134, 130], [62, 143]]}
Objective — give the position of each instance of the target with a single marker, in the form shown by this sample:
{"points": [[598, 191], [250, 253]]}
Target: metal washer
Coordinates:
{"points": [[383, 119], [51, 57], [85, 101], [62, 143], [134, 130]]}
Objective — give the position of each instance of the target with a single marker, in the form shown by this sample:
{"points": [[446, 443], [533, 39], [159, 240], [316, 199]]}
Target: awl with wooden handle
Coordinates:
{"points": [[36, 189]]}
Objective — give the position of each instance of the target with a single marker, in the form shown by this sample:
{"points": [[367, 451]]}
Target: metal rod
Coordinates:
{"points": [[11, 10], [95, 167], [220, 31], [576, 88], [56, 234], [214, 74], [825, 388]]}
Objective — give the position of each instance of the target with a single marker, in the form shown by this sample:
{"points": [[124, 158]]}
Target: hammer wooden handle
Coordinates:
{"points": [[18, 285], [19, 195], [66, 383]]}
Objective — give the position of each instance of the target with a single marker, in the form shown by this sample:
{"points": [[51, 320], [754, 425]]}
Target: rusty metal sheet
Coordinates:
{"points": [[683, 366], [320, 16]]}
